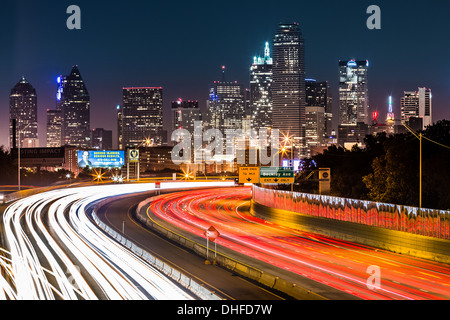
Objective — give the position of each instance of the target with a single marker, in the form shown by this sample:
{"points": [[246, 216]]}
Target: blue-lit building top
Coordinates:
{"points": [[261, 77]]}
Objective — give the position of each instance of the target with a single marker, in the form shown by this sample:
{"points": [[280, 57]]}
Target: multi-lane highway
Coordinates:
{"points": [[338, 264], [120, 216], [55, 251]]}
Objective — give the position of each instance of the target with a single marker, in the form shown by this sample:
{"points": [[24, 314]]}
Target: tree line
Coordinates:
{"points": [[387, 169]]}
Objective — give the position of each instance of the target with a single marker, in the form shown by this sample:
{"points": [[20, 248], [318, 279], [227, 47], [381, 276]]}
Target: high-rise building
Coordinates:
{"points": [[261, 91], [54, 128], [119, 127], [141, 116], [315, 128], [288, 89], [23, 112], [74, 102], [101, 139], [353, 92], [417, 104], [226, 105], [318, 94], [184, 114], [354, 119]]}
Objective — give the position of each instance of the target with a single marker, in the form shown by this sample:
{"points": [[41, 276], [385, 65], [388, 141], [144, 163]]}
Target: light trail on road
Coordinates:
{"points": [[55, 251], [339, 264]]}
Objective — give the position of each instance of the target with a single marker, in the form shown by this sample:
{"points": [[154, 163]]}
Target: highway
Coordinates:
{"points": [[337, 264], [55, 251], [119, 215]]}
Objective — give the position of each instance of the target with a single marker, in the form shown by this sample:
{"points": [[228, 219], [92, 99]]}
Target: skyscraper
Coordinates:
{"points": [[23, 109], [54, 128], [417, 104], [353, 92], [184, 114], [261, 90], [354, 119], [226, 105], [288, 93], [318, 94], [142, 116], [101, 139], [74, 102]]}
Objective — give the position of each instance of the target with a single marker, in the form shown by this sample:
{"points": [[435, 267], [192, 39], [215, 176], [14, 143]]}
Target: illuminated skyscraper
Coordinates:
{"points": [[288, 93], [54, 128], [226, 105], [142, 116], [353, 92], [101, 139], [318, 94], [417, 104], [184, 114], [23, 109], [354, 119], [74, 102], [261, 90]]}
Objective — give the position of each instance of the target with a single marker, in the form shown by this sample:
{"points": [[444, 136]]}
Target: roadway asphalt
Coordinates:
{"points": [[118, 215]]}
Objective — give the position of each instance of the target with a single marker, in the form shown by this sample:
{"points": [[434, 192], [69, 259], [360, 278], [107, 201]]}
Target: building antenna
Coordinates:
{"points": [[223, 73]]}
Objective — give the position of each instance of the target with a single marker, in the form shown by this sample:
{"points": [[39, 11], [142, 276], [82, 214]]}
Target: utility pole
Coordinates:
{"points": [[420, 172]]}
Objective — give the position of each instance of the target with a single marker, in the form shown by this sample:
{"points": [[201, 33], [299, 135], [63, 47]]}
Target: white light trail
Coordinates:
{"points": [[57, 252]]}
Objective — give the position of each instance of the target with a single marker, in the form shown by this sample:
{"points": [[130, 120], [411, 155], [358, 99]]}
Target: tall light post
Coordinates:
{"points": [[289, 139], [18, 156], [420, 137]]}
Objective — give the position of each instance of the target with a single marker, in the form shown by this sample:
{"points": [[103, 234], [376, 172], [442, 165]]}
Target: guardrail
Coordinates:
{"points": [[187, 282], [267, 279], [425, 222]]}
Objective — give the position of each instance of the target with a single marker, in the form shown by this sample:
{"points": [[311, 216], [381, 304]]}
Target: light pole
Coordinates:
{"points": [[18, 156], [420, 137], [290, 139]]}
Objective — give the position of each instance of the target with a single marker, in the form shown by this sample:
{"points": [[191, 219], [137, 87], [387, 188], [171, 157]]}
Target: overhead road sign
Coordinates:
{"points": [[276, 175], [249, 175]]}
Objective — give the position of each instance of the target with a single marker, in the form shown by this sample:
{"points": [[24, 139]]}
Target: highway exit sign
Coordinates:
{"points": [[276, 175], [249, 175]]}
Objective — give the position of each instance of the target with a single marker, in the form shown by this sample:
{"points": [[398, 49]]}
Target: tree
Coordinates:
{"points": [[8, 172], [395, 174]]}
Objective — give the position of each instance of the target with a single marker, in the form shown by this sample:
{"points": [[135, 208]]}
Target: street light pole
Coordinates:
{"points": [[18, 157], [420, 172], [420, 137]]}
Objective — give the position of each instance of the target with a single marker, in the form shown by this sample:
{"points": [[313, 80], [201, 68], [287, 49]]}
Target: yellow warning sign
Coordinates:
{"points": [[249, 175]]}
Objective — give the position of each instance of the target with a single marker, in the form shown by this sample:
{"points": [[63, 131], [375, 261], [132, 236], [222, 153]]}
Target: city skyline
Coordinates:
{"points": [[394, 68]]}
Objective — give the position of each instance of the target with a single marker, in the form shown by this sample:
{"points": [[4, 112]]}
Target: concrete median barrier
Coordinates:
{"points": [[266, 279]]}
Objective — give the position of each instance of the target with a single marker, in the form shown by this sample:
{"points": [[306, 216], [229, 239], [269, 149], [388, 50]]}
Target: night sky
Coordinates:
{"points": [[181, 46]]}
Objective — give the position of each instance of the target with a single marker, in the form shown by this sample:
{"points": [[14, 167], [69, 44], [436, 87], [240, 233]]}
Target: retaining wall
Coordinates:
{"points": [[241, 268], [273, 208]]}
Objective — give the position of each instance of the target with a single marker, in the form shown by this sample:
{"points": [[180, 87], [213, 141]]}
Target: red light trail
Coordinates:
{"points": [[339, 264]]}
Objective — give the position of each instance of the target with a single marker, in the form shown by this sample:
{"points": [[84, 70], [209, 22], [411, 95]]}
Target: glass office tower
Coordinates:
{"points": [[23, 110], [142, 117], [74, 102], [261, 90], [353, 92], [288, 90]]}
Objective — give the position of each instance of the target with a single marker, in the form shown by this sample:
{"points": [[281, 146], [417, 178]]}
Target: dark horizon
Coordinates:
{"points": [[182, 46]]}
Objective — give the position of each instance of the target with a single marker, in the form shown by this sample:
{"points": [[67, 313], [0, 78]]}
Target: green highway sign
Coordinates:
{"points": [[277, 175]]}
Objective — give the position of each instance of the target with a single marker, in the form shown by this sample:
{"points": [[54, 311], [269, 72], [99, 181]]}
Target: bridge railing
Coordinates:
{"points": [[425, 222]]}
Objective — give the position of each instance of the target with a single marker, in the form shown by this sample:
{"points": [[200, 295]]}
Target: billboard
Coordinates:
{"points": [[101, 159], [39, 157]]}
